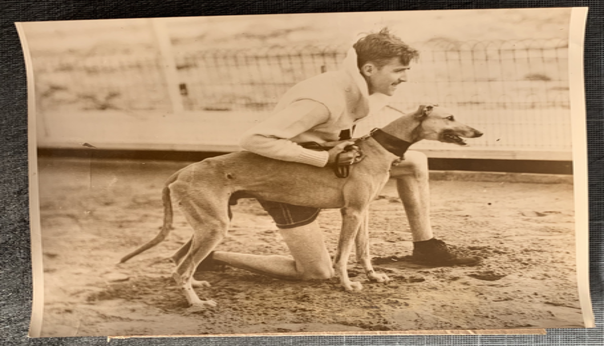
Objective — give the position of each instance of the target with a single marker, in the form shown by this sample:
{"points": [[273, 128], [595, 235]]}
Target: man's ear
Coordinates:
{"points": [[368, 69]]}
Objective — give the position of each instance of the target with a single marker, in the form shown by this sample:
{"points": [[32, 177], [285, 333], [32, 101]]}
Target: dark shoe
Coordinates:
{"points": [[435, 252], [210, 264]]}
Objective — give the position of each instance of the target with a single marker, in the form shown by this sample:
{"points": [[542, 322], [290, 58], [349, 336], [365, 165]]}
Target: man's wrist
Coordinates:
{"points": [[313, 157]]}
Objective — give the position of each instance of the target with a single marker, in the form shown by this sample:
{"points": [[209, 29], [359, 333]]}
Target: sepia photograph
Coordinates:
{"points": [[350, 173]]}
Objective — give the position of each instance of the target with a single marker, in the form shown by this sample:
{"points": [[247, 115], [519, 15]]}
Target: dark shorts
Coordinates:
{"points": [[289, 216]]}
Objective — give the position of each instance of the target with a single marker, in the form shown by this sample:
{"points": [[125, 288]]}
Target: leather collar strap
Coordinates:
{"points": [[394, 145]]}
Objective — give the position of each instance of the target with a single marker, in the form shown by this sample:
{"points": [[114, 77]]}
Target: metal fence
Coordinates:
{"points": [[516, 90]]}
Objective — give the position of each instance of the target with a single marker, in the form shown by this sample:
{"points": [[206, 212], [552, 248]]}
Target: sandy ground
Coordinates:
{"points": [[93, 213]]}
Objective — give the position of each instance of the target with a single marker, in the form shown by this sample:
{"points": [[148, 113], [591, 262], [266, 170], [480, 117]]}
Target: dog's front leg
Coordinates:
{"points": [[351, 220], [363, 254]]}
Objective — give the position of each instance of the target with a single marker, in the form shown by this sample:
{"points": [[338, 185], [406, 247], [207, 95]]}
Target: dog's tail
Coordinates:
{"points": [[165, 228]]}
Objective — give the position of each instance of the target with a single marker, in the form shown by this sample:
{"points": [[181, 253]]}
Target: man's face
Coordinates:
{"points": [[385, 79]]}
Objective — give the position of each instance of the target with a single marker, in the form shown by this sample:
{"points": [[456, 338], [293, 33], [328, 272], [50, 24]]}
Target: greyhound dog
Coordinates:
{"points": [[205, 190]]}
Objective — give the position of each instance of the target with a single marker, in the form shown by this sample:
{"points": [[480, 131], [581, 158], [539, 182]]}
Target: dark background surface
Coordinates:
{"points": [[15, 267]]}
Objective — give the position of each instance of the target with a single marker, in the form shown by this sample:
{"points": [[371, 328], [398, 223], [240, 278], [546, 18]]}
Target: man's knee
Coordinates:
{"points": [[417, 160], [318, 272], [415, 164]]}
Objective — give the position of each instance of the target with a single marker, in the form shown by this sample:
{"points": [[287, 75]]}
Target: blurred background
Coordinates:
{"points": [[173, 85]]}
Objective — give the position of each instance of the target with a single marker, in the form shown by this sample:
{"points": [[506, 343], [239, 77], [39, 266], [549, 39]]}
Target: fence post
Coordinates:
{"points": [[168, 64]]}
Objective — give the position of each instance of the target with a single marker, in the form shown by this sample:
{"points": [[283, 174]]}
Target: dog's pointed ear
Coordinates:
{"points": [[419, 113], [423, 111]]}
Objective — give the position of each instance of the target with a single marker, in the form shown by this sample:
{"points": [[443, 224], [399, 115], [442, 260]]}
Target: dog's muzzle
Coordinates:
{"points": [[451, 136]]}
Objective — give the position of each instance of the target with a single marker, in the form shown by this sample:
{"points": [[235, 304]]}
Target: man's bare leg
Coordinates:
{"points": [[413, 187], [310, 259], [412, 182]]}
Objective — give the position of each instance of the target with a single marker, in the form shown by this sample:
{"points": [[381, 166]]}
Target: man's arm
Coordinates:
{"points": [[271, 137]]}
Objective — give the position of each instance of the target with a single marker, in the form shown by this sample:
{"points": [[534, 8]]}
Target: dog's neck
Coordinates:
{"points": [[391, 143], [399, 135]]}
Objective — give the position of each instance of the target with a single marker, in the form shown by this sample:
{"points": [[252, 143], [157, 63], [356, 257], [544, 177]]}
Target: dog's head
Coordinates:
{"points": [[439, 124]]}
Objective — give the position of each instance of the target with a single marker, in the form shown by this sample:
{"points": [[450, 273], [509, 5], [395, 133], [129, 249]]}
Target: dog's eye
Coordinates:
{"points": [[450, 118]]}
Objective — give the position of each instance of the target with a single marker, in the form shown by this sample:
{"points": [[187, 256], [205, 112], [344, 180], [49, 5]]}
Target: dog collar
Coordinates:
{"points": [[394, 145]]}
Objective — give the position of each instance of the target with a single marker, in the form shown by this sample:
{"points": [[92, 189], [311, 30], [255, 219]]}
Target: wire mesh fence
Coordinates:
{"points": [[516, 91], [486, 75]]}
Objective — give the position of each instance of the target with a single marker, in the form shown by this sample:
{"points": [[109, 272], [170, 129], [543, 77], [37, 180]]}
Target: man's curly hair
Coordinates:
{"points": [[379, 48]]}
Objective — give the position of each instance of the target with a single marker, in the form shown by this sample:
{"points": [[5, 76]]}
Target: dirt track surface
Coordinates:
{"points": [[93, 213]]}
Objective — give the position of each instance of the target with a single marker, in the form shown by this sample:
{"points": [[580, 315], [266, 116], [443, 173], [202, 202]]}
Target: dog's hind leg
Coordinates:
{"points": [[363, 254], [209, 220], [179, 255], [183, 274]]}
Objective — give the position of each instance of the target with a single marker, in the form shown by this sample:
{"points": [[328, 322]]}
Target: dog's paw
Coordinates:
{"points": [[210, 303], [352, 286], [201, 305], [378, 277], [199, 284]]}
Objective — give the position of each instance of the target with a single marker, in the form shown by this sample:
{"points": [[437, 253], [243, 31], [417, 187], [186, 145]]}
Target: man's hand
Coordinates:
{"points": [[348, 156]]}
